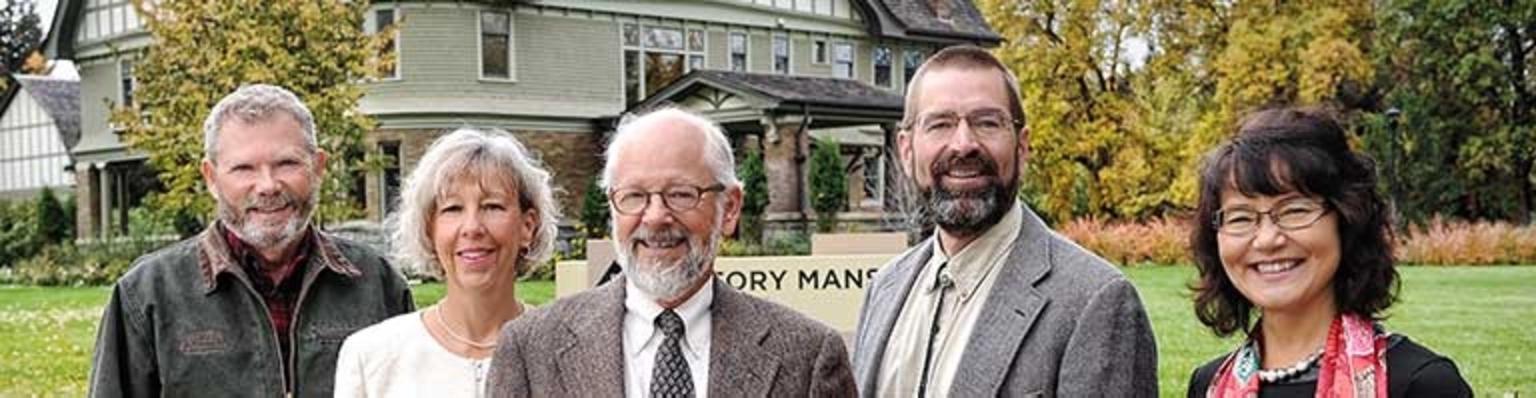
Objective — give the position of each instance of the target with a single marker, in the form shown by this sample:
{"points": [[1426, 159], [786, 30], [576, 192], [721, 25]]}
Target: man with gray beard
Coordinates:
{"points": [[667, 327], [259, 303], [995, 303]]}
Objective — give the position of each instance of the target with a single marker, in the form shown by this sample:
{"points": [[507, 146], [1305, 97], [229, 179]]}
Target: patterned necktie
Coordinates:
{"points": [[671, 378]]}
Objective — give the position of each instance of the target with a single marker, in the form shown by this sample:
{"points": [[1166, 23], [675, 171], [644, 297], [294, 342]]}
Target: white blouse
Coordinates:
{"points": [[399, 358]]}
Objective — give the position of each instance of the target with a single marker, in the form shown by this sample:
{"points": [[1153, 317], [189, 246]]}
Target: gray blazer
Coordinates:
{"points": [[574, 348], [1059, 322]]}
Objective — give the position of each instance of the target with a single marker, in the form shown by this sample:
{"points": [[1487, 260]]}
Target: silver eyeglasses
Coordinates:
{"points": [[630, 201], [1289, 215], [983, 123]]}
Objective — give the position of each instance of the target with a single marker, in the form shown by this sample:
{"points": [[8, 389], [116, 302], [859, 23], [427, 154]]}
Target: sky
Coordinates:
{"points": [[45, 9]]}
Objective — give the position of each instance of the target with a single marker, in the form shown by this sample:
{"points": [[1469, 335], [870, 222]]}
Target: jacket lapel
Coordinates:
{"points": [[1011, 309], [891, 287], [739, 365], [591, 353]]}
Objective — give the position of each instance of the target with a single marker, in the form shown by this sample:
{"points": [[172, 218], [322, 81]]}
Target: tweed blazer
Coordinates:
{"points": [[573, 348], [1058, 321]]}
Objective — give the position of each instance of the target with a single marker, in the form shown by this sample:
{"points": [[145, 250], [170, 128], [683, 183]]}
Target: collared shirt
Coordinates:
{"points": [[973, 270], [279, 288], [642, 340]]}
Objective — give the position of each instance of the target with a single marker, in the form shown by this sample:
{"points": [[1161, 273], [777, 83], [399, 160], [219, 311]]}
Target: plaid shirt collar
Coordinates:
{"points": [[220, 251]]}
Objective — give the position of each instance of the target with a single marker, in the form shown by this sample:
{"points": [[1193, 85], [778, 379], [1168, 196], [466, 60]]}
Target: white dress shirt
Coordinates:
{"points": [[973, 270], [642, 340]]}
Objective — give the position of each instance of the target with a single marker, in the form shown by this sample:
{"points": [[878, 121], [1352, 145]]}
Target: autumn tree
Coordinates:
{"points": [[1123, 97], [20, 36], [204, 49], [1461, 75]]}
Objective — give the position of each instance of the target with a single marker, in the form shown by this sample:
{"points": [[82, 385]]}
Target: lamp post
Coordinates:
{"points": [[1394, 179]]}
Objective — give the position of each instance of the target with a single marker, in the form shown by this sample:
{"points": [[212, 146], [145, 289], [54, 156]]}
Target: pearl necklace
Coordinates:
{"points": [[449, 330], [1275, 375]]}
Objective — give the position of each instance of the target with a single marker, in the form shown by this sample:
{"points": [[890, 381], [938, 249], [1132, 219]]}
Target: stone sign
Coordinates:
{"points": [[829, 288]]}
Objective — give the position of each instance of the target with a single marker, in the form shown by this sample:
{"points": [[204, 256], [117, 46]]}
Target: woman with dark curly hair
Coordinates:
{"points": [[1290, 226]]}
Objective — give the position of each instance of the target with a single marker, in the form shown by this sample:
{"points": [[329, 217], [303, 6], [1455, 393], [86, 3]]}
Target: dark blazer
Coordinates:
{"points": [[574, 348], [1059, 321]]}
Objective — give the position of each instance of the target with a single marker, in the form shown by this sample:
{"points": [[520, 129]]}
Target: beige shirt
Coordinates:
{"points": [[972, 271], [642, 340]]}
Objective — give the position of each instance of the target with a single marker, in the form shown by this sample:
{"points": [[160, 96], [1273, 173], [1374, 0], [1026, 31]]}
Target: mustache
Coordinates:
{"points": [[984, 164], [662, 234], [280, 199]]}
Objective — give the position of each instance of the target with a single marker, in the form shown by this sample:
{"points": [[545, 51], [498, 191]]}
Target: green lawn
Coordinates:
{"points": [[1484, 318]]}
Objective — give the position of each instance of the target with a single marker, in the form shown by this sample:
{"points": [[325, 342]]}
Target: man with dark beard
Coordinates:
{"points": [[667, 327], [259, 303], [995, 303]]}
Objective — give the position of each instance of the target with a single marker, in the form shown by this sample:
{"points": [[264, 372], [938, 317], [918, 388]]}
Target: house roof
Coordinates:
{"points": [[953, 18], [60, 98], [809, 90]]}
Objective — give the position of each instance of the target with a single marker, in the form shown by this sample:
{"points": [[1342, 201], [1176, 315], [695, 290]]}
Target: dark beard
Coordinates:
{"points": [[968, 213]]}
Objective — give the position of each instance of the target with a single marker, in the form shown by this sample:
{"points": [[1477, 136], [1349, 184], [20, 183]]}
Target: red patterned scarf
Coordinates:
{"points": [[1353, 365]]}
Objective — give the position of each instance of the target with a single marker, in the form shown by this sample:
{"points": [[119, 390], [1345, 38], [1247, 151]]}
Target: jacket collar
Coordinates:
{"points": [[216, 257]]}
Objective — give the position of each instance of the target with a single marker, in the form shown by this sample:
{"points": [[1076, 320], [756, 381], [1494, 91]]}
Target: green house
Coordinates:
{"points": [[778, 74]]}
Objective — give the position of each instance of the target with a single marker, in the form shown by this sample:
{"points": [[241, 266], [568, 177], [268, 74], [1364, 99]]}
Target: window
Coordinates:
{"points": [[781, 54], [390, 183], [910, 63], [874, 177], [842, 60], [656, 56], [882, 59], [383, 21], [495, 45], [126, 82], [819, 52], [738, 49]]}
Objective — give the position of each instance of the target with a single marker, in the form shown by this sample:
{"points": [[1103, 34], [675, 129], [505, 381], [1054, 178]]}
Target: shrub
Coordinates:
{"points": [[594, 211], [783, 245], [754, 198], [52, 222], [17, 233], [1443, 242], [85, 265], [1156, 241], [829, 186]]}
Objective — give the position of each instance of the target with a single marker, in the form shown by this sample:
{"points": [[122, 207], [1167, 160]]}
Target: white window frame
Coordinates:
{"points": [[122, 95], [789, 54], [373, 24], [853, 60], [641, 49], [480, 47], [824, 56], [746, 52], [874, 69]]}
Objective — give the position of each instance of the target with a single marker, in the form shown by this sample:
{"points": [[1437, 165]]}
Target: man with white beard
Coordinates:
{"points": [[259, 303], [667, 327]]}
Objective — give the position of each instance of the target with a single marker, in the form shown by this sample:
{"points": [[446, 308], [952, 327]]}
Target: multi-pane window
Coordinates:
{"points": [[819, 51], [126, 82], [656, 56], [882, 58], [781, 54], [910, 63], [738, 48], [383, 20], [495, 45], [842, 60]]}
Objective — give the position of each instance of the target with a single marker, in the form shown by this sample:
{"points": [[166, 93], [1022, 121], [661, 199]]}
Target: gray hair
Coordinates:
{"points": [[717, 148], [256, 103], [492, 156]]}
